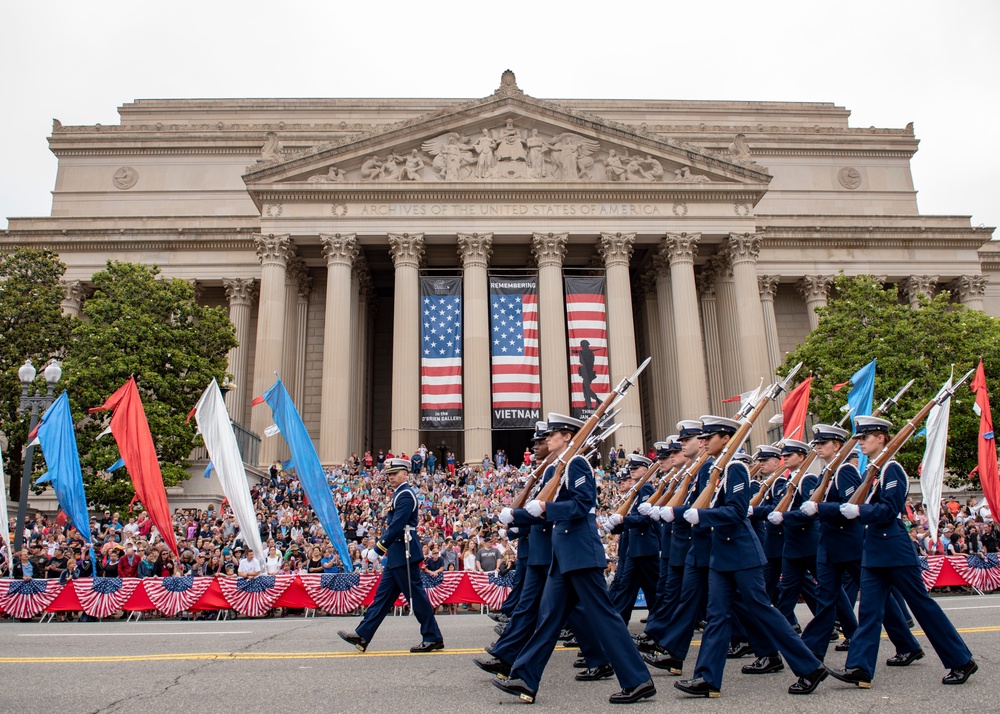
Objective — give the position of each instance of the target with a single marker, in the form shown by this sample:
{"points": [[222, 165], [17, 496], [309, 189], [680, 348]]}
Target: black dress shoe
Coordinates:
{"points": [[516, 687], [354, 638], [904, 659], [565, 634], [740, 649], [959, 674], [808, 683], [764, 665], [634, 694], [834, 636], [572, 643], [697, 688], [798, 628], [910, 623], [643, 620], [493, 666], [498, 617], [579, 663], [592, 675], [664, 661], [489, 648], [641, 637], [649, 646], [844, 646], [428, 647], [700, 626], [854, 675], [499, 628]]}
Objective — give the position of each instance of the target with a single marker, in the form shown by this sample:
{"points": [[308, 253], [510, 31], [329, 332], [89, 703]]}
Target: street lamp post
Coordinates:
{"points": [[35, 403]]}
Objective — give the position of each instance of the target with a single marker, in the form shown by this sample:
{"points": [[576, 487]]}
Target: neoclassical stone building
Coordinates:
{"points": [[717, 226]]}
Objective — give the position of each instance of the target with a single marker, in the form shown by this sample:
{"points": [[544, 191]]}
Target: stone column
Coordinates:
{"points": [[729, 339], [815, 290], [767, 286], [475, 250], [241, 293], [273, 252], [971, 290], [340, 250], [407, 250], [656, 372], [680, 249], [302, 324], [713, 355], [668, 341], [549, 250], [352, 400], [743, 251], [917, 285], [361, 278], [290, 358], [73, 302], [616, 250]]}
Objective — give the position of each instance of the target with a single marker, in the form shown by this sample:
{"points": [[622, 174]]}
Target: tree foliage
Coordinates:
{"points": [[862, 322], [140, 324], [32, 327]]}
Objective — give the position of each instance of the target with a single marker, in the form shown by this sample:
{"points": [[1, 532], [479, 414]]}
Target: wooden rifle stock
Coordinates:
{"points": [[765, 487], [680, 493], [754, 470], [793, 483], [626, 505], [521, 498], [664, 482]]}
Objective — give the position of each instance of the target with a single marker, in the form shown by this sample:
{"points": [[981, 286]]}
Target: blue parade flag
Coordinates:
{"points": [[860, 399], [208, 469], [308, 467], [115, 466], [58, 442], [287, 465]]}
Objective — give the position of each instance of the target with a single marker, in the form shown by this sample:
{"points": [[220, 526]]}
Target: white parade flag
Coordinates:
{"points": [[220, 441], [932, 473], [6, 519]]}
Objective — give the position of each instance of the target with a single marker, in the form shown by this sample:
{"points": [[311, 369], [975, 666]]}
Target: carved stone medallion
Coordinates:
{"points": [[849, 177], [125, 178]]}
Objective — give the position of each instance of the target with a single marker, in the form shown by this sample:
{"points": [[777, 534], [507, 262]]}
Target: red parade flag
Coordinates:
{"points": [[135, 442], [838, 387], [795, 409], [988, 476]]}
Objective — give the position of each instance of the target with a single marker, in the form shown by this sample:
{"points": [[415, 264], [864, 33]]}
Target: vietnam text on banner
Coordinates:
{"points": [[517, 399], [587, 331], [441, 353]]}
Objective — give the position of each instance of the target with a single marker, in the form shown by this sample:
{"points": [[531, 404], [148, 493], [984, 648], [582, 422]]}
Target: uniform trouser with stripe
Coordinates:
{"points": [[393, 583]]}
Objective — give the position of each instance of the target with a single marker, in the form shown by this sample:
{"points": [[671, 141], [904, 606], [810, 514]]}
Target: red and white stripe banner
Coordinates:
{"points": [[587, 331], [517, 396]]}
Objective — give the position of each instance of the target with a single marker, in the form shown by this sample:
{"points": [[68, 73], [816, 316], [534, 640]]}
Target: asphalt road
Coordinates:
{"points": [[300, 665]]}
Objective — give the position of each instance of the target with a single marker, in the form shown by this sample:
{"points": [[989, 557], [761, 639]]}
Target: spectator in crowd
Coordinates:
{"points": [[249, 566]]}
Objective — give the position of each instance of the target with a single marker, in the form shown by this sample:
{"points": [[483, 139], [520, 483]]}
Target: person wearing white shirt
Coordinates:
{"points": [[249, 565]]}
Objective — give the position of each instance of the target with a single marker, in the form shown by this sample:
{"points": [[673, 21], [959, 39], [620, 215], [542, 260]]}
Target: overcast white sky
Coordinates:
{"points": [[933, 63]]}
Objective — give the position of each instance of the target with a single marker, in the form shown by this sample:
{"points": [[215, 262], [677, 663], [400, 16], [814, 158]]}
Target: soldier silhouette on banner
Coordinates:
{"points": [[588, 373]]}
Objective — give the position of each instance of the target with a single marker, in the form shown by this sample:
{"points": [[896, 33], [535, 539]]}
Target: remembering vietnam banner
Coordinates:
{"points": [[441, 353], [587, 331], [517, 398]]}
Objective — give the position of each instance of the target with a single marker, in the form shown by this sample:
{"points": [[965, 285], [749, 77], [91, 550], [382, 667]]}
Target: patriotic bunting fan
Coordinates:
{"points": [[492, 588], [253, 597], [930, 569], [980, 571], [102, 597], [23, 599], [338, 593], [173, 595], [439, 587]]}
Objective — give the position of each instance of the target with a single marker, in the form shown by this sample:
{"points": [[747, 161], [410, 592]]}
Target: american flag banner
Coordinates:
{"points": [[980, 571], [441, 353], [439, 587], [173, 595], [253, 597], [102, 597], [517, 398], [930, 569], [492, 588], [22, 599], [339, 593], [587, 332]]}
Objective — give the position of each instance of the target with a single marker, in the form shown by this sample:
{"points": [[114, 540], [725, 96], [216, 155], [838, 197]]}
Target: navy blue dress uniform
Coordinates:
{"points": [[667, 589], [888, 560], [736, 565], [401, 575], [643, 548], [576, 577], [774, 540]]}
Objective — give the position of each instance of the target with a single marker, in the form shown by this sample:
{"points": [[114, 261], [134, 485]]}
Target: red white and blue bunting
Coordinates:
{"points": [[103, 597]]}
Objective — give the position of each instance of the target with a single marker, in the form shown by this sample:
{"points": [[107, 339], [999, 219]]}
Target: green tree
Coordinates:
{"points": [[863, 322], [140, 324], [33, 327]]}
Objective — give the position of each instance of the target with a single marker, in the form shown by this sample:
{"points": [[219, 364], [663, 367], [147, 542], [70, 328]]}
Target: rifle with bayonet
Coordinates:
{"points": [[769, 481]]}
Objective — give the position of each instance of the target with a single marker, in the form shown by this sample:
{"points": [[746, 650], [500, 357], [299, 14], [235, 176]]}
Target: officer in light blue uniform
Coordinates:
{"points": [[401, 575], [576, 576], [737, 562], [839, 553], [888, 560], [643, 544]]}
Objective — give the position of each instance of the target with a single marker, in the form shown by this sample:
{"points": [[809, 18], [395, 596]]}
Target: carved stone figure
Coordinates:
{"points": [[484, 147], [451, 154], [511, 147], [371, 169], [334, 175], [634, 170], [739, 150], [413, 166], [613, 166], [573, 155], [684, 175], [272, 149], [390, 167], [653, 168]]}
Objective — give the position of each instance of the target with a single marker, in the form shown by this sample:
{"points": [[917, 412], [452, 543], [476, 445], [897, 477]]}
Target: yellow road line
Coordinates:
{"points": [[232, 656]]}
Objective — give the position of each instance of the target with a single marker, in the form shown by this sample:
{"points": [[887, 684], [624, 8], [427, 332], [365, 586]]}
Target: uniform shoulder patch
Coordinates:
{"points": [[738, 487]]}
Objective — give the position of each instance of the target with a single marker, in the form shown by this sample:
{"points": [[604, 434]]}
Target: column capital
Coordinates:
{"points": [[647, 285], [360, 270], [241, 291], [680, 247], [705, 282], [815, 287], [198, 287], [919, 285], [273, 249], [75, 292], [407, 249], [305, 289], [721, 266], [475, 249], [549, 249], [616, 248], [968, 287], [339, 248], [295, 271], [743, 248], [767, 285]]}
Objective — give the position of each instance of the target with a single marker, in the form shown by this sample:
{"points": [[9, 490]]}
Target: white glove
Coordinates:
{"points": [[506, 516], [691, 516], [749, 511], [667, 514], [810, 508], [534, 508], [654, 513], [850, 510], [601, 532], [614, 519], [776, 517], [513, 530], [644, 508]]}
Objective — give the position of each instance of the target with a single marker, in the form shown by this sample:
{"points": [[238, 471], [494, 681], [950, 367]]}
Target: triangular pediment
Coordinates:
{"points": [[506, 137]]}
